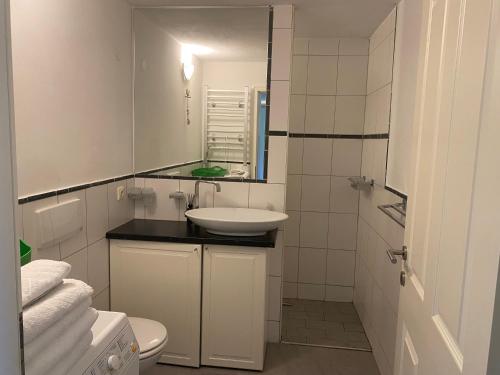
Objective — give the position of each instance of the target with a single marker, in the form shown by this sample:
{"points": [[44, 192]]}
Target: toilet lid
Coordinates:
{"points": [[149, 333]]}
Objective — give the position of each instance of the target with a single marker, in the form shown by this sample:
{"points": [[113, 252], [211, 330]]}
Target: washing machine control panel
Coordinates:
{"points": [[118, 354]]}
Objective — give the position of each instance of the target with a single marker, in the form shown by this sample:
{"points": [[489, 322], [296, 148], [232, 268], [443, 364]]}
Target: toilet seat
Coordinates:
{"points": [[151, 336]]}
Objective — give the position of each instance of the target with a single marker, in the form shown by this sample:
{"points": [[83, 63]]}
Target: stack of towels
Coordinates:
{"points": [[57, 318]]}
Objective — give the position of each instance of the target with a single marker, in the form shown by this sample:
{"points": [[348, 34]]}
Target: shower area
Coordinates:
{"points": [[339, 290]]}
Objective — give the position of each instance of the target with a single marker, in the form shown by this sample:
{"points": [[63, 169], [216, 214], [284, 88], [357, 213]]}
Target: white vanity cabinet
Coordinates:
{"points": [[161, 281], [234, 307]]}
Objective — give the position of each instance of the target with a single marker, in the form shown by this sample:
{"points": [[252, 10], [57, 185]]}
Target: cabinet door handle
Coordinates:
{"points": [[196, 250]]}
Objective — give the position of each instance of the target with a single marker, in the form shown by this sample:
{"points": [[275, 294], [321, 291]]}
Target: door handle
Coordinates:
{"points": [[402, 278], [392, 254]]}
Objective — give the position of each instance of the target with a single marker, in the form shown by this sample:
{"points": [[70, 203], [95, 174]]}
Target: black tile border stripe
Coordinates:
{"points": [[326, 136], [191, 178], [376, 136], [339, 136], [72, 189], [394, 191], [227, 161], [37, 197], [170, 167], [277, 133]]}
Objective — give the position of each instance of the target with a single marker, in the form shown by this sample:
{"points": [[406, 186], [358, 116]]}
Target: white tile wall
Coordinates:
{"points": [[338, 293], [119, 211], [340, 268], [291, 264], [301, 46], [330, 77], [79, 241], [342, 231], [274, 298], [278, 114], [98, 265], [376, 292], [320, 114], [292, 228], [317, 156], [343, 198], [385, 28], [282, 17], [232, 194], [282, 48], [378, 108], [293, 192], [97, 213], [267, 196], [78, 262], [101, 301], [315, 193], [346, 159], [299, 74], [322, 75], [290, 290], [313, 229], [349, 115], [312, 268], [311, 291], [324, 46], [273, 331], [87, 251], [380, 66], [295, 155], [163, 207], [30, 230], [354, 47], [276, 167], [352, 75], [297, 113], [276, 257]]}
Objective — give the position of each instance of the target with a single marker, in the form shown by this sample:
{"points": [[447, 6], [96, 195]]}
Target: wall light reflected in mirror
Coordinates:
{"points": [[188, 50]]}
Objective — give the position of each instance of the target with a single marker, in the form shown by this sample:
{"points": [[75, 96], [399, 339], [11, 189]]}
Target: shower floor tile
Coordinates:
{"points": [[323, 323]]}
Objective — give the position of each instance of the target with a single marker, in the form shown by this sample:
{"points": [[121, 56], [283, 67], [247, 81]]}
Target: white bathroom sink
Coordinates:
{"points": [[236, 221]]}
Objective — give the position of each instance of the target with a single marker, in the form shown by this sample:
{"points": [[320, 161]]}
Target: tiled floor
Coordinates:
{"points": [[283, 359], [331, 324]]}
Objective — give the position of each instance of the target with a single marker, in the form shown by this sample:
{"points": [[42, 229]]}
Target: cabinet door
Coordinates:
{"points": [[161, 281], [234, 305]]}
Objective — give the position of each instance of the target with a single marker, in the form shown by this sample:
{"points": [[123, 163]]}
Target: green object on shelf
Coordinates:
{"points": [[209, 172], [25, 253]]}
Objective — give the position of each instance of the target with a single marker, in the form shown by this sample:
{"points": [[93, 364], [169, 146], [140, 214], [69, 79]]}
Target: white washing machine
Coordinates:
{"points": [[114, 349]]}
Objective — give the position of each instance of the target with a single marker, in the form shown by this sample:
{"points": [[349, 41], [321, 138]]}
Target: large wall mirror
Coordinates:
{"points": [[201, 91]]}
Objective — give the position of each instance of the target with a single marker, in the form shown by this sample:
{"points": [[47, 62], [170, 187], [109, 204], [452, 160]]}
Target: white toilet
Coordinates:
{"points": [[152, 337]]}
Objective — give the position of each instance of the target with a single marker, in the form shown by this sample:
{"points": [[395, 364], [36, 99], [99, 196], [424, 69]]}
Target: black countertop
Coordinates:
{"points": [[183, 232]]}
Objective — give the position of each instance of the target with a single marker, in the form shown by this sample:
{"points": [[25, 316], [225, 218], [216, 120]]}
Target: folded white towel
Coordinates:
{"points": [[41, 276], [49, 357], [48, 310], [65, 365], [75, 318]]}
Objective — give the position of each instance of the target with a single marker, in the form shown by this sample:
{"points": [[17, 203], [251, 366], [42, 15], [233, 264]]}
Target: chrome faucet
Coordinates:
{"points": [[196, 203]]}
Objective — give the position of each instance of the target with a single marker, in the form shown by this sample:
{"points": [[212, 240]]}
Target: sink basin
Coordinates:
{"points": [[236, 221]]}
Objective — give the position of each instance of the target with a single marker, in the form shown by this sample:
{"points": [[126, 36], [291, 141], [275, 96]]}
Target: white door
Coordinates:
{"points": [[161, 281], [234, 306], [445, 309]]}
